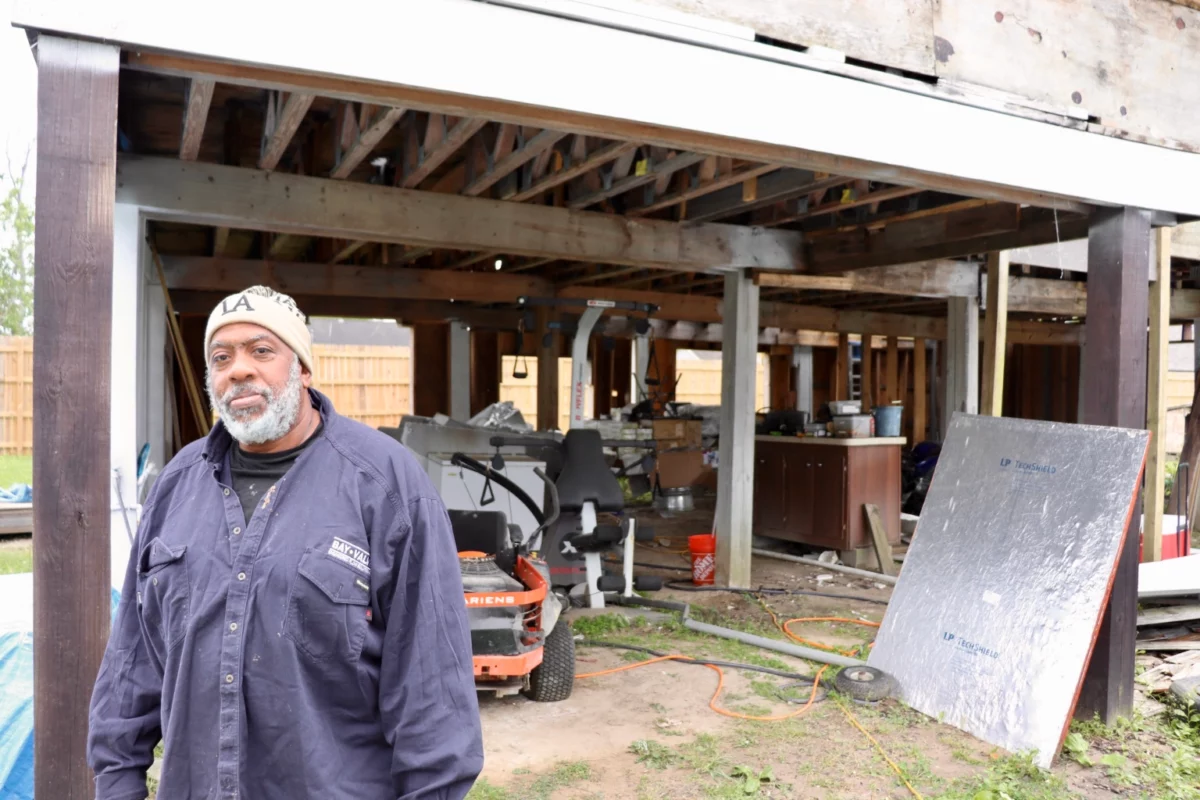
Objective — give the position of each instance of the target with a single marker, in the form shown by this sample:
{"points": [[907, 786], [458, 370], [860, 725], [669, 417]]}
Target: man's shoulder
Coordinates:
{"points": [[375, 452], [190, 456]]}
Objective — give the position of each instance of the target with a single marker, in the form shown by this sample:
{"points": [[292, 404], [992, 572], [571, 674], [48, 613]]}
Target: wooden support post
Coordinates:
{"points": [[459, 369], [1114, 394], [73, 305], [920, 391], [841, 378], [431, 376], [547, 383], [485, 369], [735, 477], [995, 334], [893, 370], [962, 359], [1156, 400], [622, 371], [802, 359], [866, 367]]}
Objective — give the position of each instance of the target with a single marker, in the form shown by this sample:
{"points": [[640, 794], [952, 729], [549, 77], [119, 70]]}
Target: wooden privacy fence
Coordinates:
{"points": [[369, 383], [16, 395]]}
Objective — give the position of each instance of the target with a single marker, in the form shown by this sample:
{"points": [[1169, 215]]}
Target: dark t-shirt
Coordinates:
{"points": [[254, 473]]}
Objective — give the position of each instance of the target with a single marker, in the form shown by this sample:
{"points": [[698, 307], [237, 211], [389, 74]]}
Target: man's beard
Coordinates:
{"points": [[274, 421]]}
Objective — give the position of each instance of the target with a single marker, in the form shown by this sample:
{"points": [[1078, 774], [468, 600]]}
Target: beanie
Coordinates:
{"points": [[263, 306]]}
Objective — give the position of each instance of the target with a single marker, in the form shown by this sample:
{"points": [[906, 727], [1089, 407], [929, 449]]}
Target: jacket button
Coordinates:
{"points": [[236, 531], [241, 576], [227, 493], [233, 626], [229, 678]]}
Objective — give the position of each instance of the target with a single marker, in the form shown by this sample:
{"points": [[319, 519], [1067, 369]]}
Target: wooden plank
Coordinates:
{"points": [[702, 188], [609, 152], [350, 249], [216, 194], [1151, 645], [228, 275], [1114, 393], [283, 119], [871, 199], [995, 329], [513, 161], [195, 115], [433, 157], [1168, 615], [936, 278], [891, 32], [1185, 241], [72, 476], [920, 413], [366, 141], [407, 311], [1157, 369], [879, 538], [1107, 71]]}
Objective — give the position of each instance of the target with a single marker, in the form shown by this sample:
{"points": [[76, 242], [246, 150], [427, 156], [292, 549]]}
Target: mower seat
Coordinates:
{"points": [[486, 532], [585, 475]]}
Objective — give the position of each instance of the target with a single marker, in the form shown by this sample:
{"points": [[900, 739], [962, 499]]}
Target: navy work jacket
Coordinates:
{"points": [[318, 650]]}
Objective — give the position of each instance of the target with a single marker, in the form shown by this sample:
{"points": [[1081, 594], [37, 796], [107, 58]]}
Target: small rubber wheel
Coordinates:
{"points": [[553, 679], [611, 583], [864, 683]]}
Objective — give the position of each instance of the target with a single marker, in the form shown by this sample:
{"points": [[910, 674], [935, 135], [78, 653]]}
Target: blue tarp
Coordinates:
{"points": [[17, 493], [16, 685]]}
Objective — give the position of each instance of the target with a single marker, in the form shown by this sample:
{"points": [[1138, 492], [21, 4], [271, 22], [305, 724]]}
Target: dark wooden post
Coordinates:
{"points": [[485, 370], [431, 368], [547, 376], [1114, 386], [73, 286]]}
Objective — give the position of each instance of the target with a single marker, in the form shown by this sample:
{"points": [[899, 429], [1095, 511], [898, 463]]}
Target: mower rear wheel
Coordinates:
{"points": [[554, 678]]}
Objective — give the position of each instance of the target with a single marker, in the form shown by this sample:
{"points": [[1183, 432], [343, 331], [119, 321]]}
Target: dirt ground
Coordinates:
{"points": [[648, 733]]}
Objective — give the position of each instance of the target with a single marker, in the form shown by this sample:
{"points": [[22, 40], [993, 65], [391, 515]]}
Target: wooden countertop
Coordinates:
{"points": [[833, 441]]}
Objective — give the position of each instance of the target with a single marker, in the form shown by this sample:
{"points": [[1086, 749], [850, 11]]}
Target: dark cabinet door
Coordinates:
{"points": [[829, 499], [770, 482], [800, 491]]}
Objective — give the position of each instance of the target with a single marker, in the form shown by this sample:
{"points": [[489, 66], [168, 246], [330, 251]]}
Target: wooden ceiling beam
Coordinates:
{"points": [[507, 164], [188, 301], [188, 273], [703, 187], [441, 142], [872, 198], [937, 278], [655, 172], [775, 187], [609, 152], [195, 115], [213, 194], [283, 119], [368, 137], [972, 231]]}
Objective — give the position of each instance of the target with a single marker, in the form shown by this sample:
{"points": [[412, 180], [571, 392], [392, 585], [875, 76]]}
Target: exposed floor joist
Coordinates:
{"points": [[199, 98]]}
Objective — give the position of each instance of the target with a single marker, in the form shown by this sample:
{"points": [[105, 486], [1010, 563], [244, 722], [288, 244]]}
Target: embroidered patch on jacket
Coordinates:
{"points": [[351, 555]]}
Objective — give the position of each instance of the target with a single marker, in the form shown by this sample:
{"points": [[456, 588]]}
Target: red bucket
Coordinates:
{"points": [[704, 558]]}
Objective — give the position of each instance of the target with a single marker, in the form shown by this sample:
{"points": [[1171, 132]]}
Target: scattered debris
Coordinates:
{"points": [[1178, 667], [824, 579]]}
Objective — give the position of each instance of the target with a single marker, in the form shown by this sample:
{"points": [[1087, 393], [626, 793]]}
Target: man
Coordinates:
{"points": [[292, 623]]}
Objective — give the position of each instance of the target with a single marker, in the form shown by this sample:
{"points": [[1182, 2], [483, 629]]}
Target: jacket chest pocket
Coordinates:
{"points": [[164, 591], [327, 608]]}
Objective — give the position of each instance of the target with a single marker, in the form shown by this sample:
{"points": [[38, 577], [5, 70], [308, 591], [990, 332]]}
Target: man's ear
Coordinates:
{"points": [[305, 377]]}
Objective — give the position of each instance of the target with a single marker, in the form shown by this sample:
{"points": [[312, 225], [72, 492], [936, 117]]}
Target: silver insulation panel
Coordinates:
{"points": [[1001, 594]]}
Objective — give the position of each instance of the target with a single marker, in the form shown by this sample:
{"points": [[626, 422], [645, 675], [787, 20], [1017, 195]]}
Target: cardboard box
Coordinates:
{"points": [[688, 431], [669, 429], [681, 468]]}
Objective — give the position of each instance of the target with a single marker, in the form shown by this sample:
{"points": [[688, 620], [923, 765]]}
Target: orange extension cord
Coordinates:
{"points": [[783, 626]]}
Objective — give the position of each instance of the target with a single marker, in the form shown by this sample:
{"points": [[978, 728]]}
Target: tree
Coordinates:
{"points": [[16, 254]]}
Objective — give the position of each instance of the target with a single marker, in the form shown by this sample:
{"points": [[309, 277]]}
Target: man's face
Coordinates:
{"points": [[255, 382]]}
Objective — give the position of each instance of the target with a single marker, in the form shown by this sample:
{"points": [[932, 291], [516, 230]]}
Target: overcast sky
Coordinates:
{"points": [[18, 94]]}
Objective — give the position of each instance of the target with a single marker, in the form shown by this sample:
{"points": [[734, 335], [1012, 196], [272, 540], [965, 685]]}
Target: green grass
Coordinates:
{"points": [[541, 787], [16, 556], [15, 469]]}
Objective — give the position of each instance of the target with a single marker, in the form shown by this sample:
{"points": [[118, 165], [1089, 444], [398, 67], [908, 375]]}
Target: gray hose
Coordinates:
{"points": [[862, 573]]}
